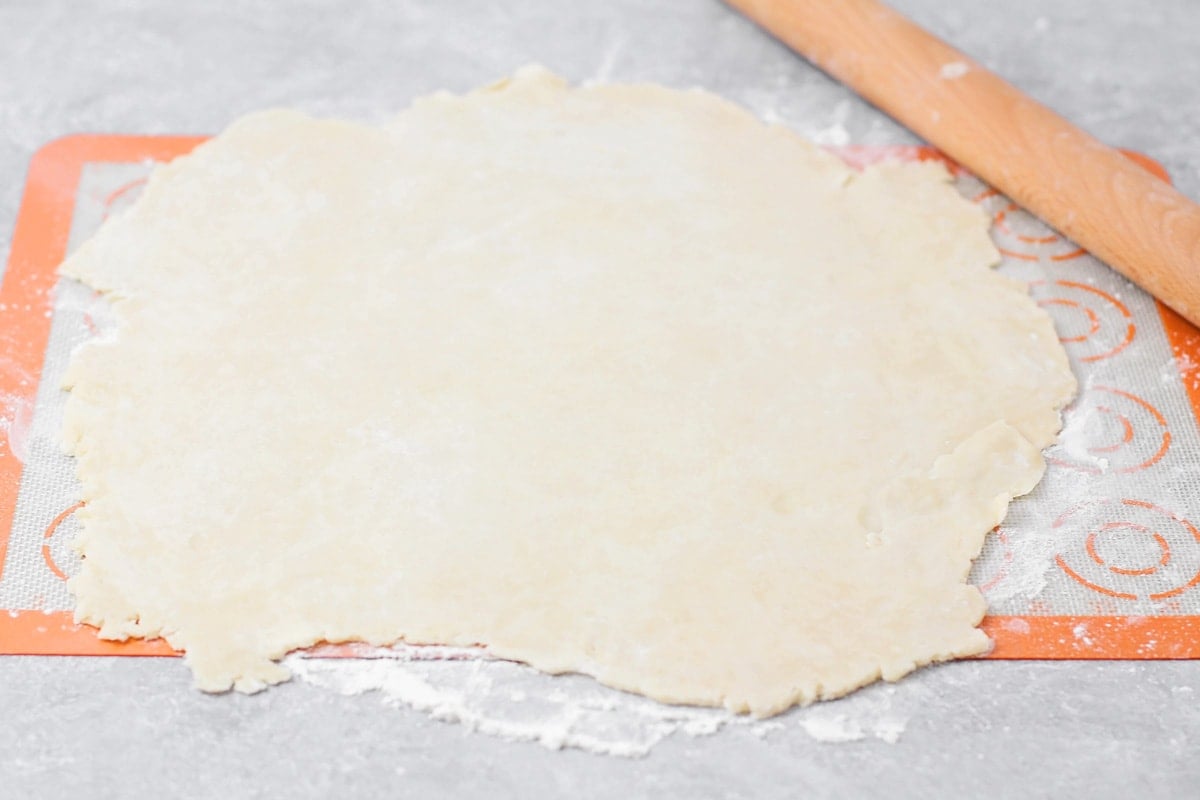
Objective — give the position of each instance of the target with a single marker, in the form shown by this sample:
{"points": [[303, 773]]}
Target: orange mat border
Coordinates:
{"points": [[39, 246], [54, 633]]}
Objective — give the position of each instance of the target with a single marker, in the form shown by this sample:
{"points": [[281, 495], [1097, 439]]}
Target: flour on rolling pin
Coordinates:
{"points": [[1134, 222], [953, 69]]}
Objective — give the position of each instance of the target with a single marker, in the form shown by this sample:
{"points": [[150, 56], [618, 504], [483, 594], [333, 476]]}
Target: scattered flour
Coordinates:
{"points": [[840, 728], [1077, 438], [869, 714], [833, 134], [16, 420], [1030, 552], [515, 702]]}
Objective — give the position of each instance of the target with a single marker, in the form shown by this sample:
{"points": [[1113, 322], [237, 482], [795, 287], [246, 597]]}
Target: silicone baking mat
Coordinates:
{"points": [[1102, 560]]}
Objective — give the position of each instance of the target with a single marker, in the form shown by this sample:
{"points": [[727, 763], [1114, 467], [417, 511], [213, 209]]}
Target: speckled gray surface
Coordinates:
{"points": [[1128, 70]]}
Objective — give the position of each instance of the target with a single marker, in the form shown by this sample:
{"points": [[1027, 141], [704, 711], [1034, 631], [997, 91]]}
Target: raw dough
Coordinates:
{"points": [[616, 380]]}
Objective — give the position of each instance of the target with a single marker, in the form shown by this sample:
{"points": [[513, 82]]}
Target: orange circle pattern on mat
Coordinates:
{"points": [[1129, 549], [1021, 235], [123, 196], [48, 535], [1092, 324], [1006, 560]]}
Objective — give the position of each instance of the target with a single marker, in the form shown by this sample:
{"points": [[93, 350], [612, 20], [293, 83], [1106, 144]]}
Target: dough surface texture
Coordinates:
{"points": [[616, 380]]}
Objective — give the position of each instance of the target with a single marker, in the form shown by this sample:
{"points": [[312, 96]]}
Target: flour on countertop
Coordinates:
{"points": [[834, 133], [515, 702], [834, 728]]}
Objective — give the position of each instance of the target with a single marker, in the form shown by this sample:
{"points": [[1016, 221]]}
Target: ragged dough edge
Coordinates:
{"points": [[1018, 466], [997, 463], [258, 669]]}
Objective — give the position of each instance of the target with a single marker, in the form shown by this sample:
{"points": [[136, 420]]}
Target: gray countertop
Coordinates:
{"points": [[1127, 70]]}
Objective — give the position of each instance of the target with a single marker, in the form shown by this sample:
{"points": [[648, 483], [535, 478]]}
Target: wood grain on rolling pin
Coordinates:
{"points": [[1128, 218]]}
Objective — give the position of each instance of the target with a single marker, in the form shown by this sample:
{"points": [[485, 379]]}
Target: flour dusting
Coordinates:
{"points": [[516, 702], [16, 419], [866, 715], [1077, 439], [1031, 545]]}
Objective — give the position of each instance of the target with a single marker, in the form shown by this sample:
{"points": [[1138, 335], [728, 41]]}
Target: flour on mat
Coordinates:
{"points": [[1033, 545], [16, 417], [1075, 441], [1034, 554]]}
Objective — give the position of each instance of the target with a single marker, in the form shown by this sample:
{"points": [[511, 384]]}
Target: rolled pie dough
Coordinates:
{"points": [[615, 380]]}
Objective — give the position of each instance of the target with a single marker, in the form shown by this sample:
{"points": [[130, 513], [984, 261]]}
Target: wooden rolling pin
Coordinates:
{"points": [[1090, 192]]}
